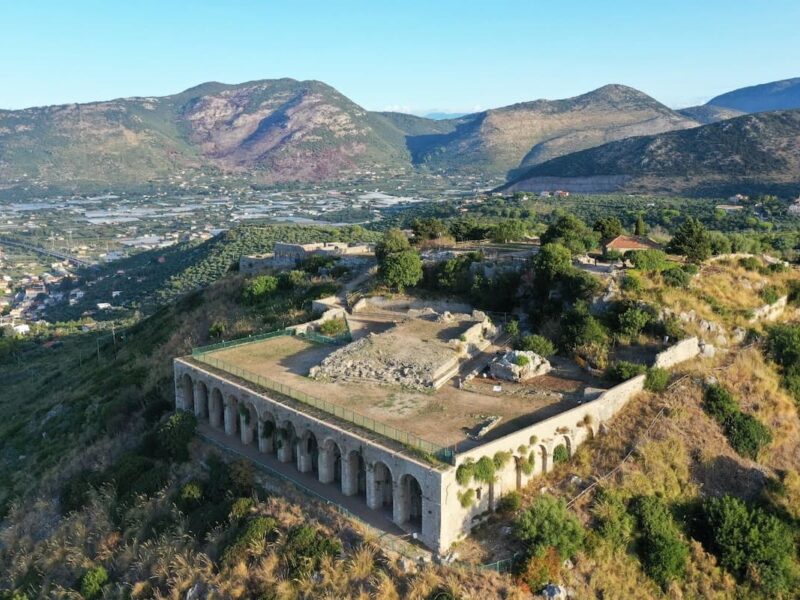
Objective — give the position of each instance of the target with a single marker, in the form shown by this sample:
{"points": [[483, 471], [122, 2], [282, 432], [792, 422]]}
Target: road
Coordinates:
{"points": [[44, 251]]}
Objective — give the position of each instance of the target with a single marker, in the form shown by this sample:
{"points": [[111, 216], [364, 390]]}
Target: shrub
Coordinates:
{"points": [[401, 269], [253, 531], [613, 522], [537, 344], [484, 470], [770, 294], [465, 472], [751, 263], [305, 548], [217, 329], [512, 328], [750, 543], [677, 278], [240, 508], [747, 435], [623, 370], [176, 433], [93, 581], [560, 454], [542, 568], [548, 524], [190, 496], [650, 261], [509, 503], [662, 551], [657, 379], [466, 498], [631, 322], [260, 288], [501, 459], [631, 282], [522, 360], [333, 327], [720, 403]]}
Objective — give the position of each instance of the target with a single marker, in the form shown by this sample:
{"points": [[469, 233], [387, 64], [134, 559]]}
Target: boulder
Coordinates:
{"points": [[519, 365]]}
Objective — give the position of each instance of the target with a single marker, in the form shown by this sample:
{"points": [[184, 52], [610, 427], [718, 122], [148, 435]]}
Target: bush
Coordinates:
{"points": [[720, 403], [333, 327], [657, 379], [751, 263], [484, 470], [537, 344], [623, 370], [304, 549], [613, 522], [770, 294], [747, 435], [522, 360], [190, 496], [174, 435], [510, 503], [548, 524], [662, 551], [677, 278], [465, 472], [632, 321], [750, 543], [217, 329], [260, 288], [252, 532], [501, 459], [401, 269], [466, 498], [650, 261], [93, 581], [631, 282], [240, 508], [560, 454]]}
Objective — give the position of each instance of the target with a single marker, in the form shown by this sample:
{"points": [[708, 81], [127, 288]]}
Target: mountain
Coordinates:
{"points": [[438, 116], [778, 95], [504, 139], [278, 129], [753, 152], [707, 113], [286, 130]]}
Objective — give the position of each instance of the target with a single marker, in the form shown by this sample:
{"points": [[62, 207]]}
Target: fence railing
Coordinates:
{"points": [[200, 350], [444, 454]]}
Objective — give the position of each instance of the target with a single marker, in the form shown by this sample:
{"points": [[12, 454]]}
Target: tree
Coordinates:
{"points": [[641, 227], [259, 288], [400, 269], [509, 230], [568, 230], [393, 241], [608, 227], [662, 551], [691, 240], [428, 228], [548, 524], [552, 261]]}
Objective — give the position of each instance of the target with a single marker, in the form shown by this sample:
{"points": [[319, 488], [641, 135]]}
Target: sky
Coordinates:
{"points": [[412, 56]]}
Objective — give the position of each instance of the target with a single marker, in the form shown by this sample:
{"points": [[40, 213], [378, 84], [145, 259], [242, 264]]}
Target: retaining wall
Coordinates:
{"points": [[682, 351]]}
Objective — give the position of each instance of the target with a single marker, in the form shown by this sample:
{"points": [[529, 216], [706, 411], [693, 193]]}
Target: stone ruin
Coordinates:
{"points": [[519, 365], [422, 352]]}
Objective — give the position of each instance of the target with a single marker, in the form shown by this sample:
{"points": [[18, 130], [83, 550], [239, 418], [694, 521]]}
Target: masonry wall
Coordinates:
{"points": [[208, 390], [682, 351]]}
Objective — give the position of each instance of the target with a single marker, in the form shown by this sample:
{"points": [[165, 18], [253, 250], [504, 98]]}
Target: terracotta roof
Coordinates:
{"points": [[631, 242]]}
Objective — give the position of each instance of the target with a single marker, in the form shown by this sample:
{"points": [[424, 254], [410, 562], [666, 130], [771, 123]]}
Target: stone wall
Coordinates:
{"points": [[770, 312], [384, 303], [682, 351]]}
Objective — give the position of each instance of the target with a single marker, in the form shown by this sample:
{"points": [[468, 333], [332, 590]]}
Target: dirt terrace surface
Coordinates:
{"points": [[444, 417]]}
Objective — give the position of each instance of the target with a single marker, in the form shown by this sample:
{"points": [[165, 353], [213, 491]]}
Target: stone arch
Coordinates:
{"points": [[330, 462], [248, 421], [232, 417], [354, 474], [286, 442], [307, 452], [267, 424], [567, 440], [217, 408], [187, 389], [544, 458], [201, 407], [380, 493], [407, 504]]}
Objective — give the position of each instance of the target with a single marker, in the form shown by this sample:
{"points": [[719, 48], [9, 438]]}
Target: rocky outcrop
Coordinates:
{"points": [[519, 365]]}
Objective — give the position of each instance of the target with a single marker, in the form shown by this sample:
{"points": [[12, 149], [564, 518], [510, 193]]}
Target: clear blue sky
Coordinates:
{"points": [[403, 55]]}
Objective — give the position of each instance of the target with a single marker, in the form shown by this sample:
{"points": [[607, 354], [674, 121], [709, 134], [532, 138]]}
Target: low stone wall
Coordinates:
{"points": [[332, 313], [384, 303], [682, 351], [770, 312]]}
